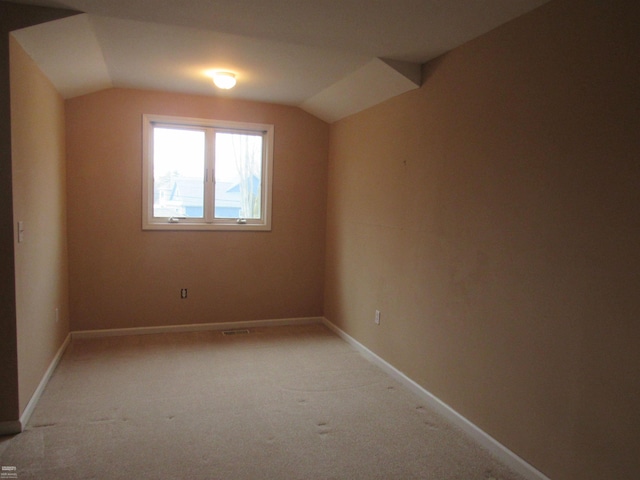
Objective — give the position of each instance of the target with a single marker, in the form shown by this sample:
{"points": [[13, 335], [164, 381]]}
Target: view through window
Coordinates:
{"points": [[206, 174]]}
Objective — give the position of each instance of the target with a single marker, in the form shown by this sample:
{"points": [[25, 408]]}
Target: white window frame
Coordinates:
{"points": [[149, 222]]}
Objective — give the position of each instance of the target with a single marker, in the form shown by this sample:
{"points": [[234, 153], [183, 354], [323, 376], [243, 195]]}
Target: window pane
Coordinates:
{"points": [[178, 172], [238, 165]]}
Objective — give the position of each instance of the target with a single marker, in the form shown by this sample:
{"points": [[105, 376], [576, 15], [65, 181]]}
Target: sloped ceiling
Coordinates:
{"points": [[332, 58]]}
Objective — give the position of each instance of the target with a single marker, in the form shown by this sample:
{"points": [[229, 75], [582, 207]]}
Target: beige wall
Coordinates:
{"points": [[13, 17], [123, 277], [493, 216], [39, 201]]}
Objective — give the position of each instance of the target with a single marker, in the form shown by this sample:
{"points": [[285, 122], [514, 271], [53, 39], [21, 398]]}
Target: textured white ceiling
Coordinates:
{"points": [[317, 54]]}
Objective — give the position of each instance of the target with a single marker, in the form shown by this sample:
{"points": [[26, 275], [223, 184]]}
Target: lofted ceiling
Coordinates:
{"points": [[330, 57]]}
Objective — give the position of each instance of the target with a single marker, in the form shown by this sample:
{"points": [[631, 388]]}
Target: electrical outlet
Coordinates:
{"points": [[377, 317], [183, 293]]}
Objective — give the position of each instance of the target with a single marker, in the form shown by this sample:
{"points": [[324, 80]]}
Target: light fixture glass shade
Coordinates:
{"points": [[224, 80]]}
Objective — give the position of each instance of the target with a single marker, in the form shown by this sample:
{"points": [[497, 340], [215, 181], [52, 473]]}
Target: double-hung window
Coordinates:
{"points": [[206, 174]]}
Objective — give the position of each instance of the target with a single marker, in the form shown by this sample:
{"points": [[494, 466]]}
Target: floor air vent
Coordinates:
{"points": [[241, 331]]}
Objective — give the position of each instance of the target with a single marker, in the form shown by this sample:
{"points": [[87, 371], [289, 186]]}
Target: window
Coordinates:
{"points": [[206, 174]]}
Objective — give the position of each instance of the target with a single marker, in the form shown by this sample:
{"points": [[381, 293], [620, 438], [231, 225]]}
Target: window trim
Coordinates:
{"points": [[149, 222]]}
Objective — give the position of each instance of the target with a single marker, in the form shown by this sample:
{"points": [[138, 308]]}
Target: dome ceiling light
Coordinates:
{"points": [[224, 80]]}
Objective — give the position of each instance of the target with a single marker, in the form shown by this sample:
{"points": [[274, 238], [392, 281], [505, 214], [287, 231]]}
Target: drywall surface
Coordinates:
{"points": [[493, 218], [122, 276], [12, 17], [39, 204]]}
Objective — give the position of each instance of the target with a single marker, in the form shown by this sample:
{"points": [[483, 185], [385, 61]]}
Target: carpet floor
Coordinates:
{"points": [[293, 402]]}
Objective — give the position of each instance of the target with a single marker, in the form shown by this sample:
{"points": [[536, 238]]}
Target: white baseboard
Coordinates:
{"points": [[196, 327], [502, 453], [28, 411]]}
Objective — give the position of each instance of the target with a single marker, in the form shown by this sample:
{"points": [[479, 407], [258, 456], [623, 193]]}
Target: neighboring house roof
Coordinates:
{"points": [[189, 191]]}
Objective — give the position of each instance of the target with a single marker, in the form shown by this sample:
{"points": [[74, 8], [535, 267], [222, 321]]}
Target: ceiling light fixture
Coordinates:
{"points": [[224, 80]]}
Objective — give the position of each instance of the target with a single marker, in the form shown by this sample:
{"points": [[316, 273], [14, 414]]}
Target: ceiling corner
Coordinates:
{"points": [[373, 83], [73, 60]]}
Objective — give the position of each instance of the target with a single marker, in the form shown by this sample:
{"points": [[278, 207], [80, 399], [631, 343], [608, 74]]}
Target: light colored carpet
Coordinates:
{"points": [[283, 403]]}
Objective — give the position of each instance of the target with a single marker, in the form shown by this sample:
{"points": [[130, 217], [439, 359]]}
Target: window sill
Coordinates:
{"points": [[194, 226]]}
